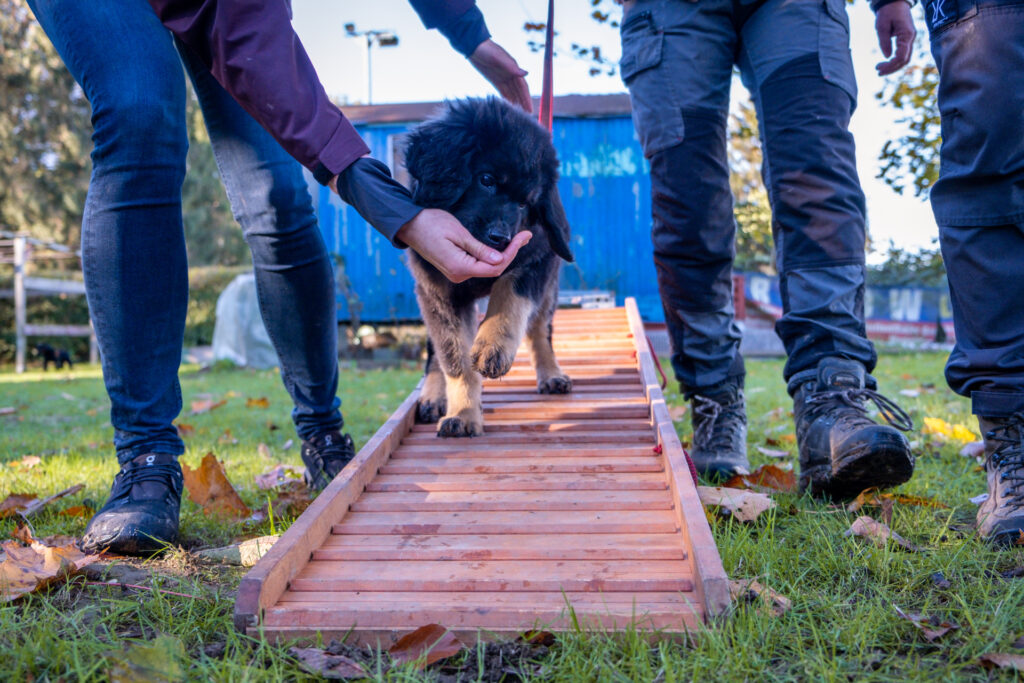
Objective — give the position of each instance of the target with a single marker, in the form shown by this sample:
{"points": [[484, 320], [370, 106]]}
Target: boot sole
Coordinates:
{"points": [[883, 466]]}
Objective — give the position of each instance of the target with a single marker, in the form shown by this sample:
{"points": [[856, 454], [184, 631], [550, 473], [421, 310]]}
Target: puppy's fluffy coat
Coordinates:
{"points": [[496, 170]]}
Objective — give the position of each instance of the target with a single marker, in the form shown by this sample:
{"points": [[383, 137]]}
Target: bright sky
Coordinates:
{"points": [[423, 67]]}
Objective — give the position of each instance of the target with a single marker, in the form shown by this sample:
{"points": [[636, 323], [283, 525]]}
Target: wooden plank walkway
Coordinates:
{"points": [[583, 500]]}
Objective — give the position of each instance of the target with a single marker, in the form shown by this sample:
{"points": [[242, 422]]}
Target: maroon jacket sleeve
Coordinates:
{"points": [[252, 50]]}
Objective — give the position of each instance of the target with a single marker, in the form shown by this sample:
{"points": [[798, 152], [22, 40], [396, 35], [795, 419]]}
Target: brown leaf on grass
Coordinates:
{"points": [[23, 533], [25, 504], [278, 475], [292, 500], [878, 533], [26, 570], [320, 662], [973, 449], [8, 410], [772, 453], [263, 450], [744, 505], [426, 645], [1002, 660], [163, 660], [677, 412], [77, 511], [776, 413], [545, 638], [931, 628], [209, 487], [227, 438], [261, 402], [27, 462], [185, 430], [788, 438], [206, 405], [885, 501], [766, 478], [751, 591]]}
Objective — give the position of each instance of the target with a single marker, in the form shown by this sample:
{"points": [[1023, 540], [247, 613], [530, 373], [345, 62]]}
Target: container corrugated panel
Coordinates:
{"points": [[605, 187]]}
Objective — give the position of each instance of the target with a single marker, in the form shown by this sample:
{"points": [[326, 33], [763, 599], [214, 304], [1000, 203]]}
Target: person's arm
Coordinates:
{"points": [[894, 23], [462, 23]]}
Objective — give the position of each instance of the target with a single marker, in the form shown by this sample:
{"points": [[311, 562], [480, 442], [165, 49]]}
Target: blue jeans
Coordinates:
{"points": [[133, 246], [978, 199], [794, 57]]}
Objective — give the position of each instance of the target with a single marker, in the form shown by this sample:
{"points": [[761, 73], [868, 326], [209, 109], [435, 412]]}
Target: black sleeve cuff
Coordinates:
{"points": [[368, 187], [467, 32], [879, 4]]}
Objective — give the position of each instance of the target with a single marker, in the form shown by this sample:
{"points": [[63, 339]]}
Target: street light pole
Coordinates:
{"points": [[378, 37]]}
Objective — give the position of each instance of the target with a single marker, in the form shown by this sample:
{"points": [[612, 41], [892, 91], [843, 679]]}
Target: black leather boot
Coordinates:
{"points": [[141, 514], [719, 433], [842, 450]]}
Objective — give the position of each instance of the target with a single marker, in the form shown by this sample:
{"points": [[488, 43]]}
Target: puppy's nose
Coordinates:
{"points": [[499, 238]]}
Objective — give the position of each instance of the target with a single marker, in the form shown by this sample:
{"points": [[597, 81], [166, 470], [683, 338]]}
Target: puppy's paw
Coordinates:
{"points": [[492, 360], [430, 411], [559, 384], [459, 426]]}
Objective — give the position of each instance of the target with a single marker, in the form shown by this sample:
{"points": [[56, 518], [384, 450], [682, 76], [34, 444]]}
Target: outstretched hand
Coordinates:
{"points": [[894, 23], [499, 67], [442, 240]]}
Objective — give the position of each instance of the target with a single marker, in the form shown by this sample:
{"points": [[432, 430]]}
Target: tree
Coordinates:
{"points": [[753, 212], [44, 133], [923, 268]]}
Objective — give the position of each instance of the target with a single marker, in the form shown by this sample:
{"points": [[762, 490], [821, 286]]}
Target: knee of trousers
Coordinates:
{"points": [[817, 202], [146, 132]]}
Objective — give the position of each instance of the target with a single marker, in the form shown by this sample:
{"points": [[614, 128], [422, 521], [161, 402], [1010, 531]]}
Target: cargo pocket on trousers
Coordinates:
{"points": [[656, 116], [834, 48]]}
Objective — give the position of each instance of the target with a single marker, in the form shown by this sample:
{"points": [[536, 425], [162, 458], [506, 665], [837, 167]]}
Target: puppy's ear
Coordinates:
{"points": [[556, 225], [437, 157]]}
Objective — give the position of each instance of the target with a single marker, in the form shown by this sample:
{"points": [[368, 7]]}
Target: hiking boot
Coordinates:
{"points": [[141, 514], [1001, 516], [842, 450], [325, 455], [720, 433]]}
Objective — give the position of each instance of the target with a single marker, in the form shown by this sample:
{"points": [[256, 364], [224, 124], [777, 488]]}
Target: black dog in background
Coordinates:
{"points": [[51, 355], [495, 168]]}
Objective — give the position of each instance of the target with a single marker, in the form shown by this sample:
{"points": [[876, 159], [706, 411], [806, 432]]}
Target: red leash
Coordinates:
{"points": [[547, 96]]}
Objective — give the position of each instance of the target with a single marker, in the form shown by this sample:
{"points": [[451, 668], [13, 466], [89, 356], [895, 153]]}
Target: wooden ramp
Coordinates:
{"points": [[583, 499]]}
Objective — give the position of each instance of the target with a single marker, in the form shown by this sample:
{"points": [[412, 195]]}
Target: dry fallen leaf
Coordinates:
{"points": [[749, 591], [206, 405], [935, 426], [1002, 660], [77, 511], [426, 645], [26, 570], [788, 438], [263, 450], [677, 412], [932, 628], [877, 533], [27, 462], [158, 661], [293, 498], [25, 504], [320, 662], [744, 505], [209, 487], [766, 478], [185, 430], [261, 402], [277, 476], [247, 553]]}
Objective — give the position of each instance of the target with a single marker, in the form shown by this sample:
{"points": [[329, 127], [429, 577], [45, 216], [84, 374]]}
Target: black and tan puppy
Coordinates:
{"points": [[493, 167]]}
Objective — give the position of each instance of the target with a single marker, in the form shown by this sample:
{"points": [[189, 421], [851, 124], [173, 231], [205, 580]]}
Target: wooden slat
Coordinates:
{"points": [[531, 439], [517, 482], [552, 426], [530, 522], [444, 448], [456, 465], [495, 575], [477, 501], [630, 546]]}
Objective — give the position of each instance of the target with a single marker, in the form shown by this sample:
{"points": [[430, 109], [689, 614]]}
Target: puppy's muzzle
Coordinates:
{"points": [[499, 237]]}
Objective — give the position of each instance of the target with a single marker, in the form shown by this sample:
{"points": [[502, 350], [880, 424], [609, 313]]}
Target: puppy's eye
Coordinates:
{"points": [[487, 180]]}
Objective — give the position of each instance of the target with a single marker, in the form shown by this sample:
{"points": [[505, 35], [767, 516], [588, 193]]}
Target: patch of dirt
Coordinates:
{"points": [[494, 663]]}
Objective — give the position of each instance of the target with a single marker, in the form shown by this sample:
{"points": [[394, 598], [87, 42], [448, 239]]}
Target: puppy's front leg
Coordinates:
{"points": [[502, 329], [550, 378], [433, 401]]}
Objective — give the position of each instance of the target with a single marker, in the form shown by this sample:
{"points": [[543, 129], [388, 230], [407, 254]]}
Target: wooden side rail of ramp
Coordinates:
{"points": [[583, 500]]}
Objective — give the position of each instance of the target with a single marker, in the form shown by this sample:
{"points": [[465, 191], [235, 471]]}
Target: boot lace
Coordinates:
{"points": [[825, 401], [166, 474], [710, 432], [1008, 458]]}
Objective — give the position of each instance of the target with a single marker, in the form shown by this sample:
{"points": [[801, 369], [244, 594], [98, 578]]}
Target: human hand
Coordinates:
{"points": [[442, 240], [894, 21], [498, 67]]}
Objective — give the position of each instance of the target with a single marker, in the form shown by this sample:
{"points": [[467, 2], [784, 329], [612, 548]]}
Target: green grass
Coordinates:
{"points": [[841, 626]]}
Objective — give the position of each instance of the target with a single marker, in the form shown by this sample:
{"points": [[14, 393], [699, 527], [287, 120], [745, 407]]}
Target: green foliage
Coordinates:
{"points": [[205, 285], [44, 133], [753, 212], [913, 157], [923, 268]]}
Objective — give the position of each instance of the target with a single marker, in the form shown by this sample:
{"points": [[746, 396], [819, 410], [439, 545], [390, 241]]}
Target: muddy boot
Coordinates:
{"points": [[1001, 517], [141, 515], [720, 433], [842, 450], [324, 456]]}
